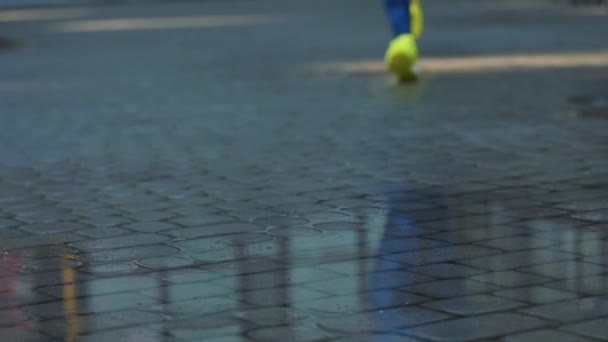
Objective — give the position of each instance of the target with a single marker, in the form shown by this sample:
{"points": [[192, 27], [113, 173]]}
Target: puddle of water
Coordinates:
{"points": [[6, 43], [591, 106], [418, 251]]}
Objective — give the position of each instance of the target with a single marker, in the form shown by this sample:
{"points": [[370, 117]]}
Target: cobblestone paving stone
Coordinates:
{"points": [[244, 171]]}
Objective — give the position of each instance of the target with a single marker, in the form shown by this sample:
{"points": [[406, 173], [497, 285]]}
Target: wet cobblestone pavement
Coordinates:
{"points": [[245, 171]]}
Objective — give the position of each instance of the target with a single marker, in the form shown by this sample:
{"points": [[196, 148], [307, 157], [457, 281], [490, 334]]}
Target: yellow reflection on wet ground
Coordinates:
{"points": [[130, 24], [476, 64], [70, 306]]}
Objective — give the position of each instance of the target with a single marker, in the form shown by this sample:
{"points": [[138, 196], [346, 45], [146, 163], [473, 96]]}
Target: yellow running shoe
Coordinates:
{"points": [[401, 57]]}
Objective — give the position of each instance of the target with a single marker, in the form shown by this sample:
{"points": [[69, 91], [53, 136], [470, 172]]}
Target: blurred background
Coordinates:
{"points": [[194, 141]]}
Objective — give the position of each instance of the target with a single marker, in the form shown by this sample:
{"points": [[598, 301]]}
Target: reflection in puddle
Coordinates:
{"points": [[10, 312], [400, 260]]}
